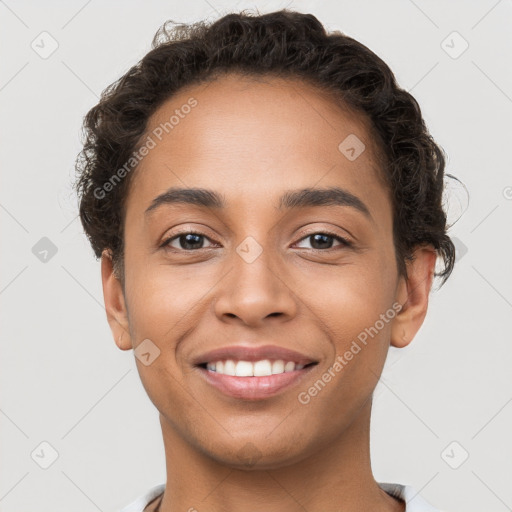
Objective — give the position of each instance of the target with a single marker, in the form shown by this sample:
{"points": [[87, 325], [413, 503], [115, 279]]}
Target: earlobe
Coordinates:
{"points": [[413, 294], [115, 305]]}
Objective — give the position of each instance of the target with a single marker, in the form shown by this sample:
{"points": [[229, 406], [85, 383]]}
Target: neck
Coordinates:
{"points": [[337, 476]]}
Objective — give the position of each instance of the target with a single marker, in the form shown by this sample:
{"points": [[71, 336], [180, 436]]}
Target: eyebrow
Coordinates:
{"points": [[298, 198]]}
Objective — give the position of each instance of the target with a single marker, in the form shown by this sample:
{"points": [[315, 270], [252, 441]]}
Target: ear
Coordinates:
{"points": [[115, 306], [412, 294]]}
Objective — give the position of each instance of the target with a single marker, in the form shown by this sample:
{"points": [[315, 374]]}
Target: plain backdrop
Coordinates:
{"points": [[443, 409]]}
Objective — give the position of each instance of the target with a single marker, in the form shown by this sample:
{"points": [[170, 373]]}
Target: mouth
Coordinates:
{"points": [[240, 379], [250, 373]]}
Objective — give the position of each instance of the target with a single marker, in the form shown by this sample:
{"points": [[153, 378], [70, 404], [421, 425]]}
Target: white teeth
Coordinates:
{"points": [[253, 369], [262, 368], [244, 369], [289, 366], [229, 367], [278, 366]]}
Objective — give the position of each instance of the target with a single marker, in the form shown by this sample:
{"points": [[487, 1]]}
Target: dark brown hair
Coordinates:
{"points": [[282, 43]]}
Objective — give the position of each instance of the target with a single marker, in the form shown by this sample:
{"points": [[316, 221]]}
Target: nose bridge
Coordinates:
{"points": [[255, 288], [255, 264]]}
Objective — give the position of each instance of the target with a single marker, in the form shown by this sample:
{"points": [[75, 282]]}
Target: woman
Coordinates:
{"points": [[266, 203]]}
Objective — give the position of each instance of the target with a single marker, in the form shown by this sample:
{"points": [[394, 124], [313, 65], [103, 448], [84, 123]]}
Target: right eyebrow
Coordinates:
{"points": [[197, 196]]}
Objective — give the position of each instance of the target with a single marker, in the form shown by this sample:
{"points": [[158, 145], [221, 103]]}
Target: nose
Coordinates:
{"points": [[253, 292]]}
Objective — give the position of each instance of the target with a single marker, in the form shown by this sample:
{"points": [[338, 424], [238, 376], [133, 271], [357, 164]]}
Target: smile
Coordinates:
{"points": [[253, 380]]}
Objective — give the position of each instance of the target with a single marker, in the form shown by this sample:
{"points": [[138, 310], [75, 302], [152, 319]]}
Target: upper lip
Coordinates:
{"points": [[252, 353]]}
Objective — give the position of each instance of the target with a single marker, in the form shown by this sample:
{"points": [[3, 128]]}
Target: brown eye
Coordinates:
{"points": [[186, 241], [323, 241]]}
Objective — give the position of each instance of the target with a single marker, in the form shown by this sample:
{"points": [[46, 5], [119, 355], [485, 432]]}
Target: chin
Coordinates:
{"points": [[258, 455]]}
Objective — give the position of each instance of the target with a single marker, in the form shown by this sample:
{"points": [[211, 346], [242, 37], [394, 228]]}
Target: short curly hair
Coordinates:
{"points": [[286, 44]]}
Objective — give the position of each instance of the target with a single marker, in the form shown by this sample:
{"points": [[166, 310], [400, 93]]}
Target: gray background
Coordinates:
{"points": [[63, 380]]}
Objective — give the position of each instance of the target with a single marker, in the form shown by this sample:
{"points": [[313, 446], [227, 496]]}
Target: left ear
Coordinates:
{"points": [[412, 294]]}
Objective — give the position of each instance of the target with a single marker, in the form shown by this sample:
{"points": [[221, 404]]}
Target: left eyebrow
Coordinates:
{"points": [[297, 198], [307, 197]]}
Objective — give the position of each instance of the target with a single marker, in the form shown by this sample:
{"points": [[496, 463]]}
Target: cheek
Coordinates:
{"points": [[164, 300], [350, 298], [355, 307], [360, 328], [163, 306]]}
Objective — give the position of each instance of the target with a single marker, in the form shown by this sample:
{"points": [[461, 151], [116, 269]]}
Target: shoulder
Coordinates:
{"points": [[142, 501], [414, 502]]}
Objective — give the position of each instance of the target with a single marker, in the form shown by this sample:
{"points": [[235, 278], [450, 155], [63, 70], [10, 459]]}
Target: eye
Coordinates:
{"points": [[186, 241], [324, 240]]}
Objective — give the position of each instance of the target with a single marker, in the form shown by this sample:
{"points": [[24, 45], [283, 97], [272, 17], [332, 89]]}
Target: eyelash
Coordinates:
{"points": [[344, 242]]}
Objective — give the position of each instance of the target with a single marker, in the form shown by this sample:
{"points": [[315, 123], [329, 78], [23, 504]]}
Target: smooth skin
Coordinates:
{"points": [[250, 141]]}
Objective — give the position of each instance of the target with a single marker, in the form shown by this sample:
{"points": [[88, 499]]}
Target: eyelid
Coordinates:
{"points": [[309, 229], [189, 226]]}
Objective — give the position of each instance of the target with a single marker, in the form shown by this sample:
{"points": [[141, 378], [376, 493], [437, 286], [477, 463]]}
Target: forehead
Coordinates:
{"points": [[251, 136]]}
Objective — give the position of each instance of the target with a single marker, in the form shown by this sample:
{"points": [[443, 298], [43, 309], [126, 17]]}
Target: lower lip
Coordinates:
{"points": [[254, 388]]}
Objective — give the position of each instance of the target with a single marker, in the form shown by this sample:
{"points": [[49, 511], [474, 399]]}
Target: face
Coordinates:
{"points": [[254, 264]]}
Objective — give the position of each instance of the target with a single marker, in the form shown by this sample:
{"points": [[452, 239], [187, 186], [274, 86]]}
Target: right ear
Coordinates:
{"points": [[115, 305]]}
